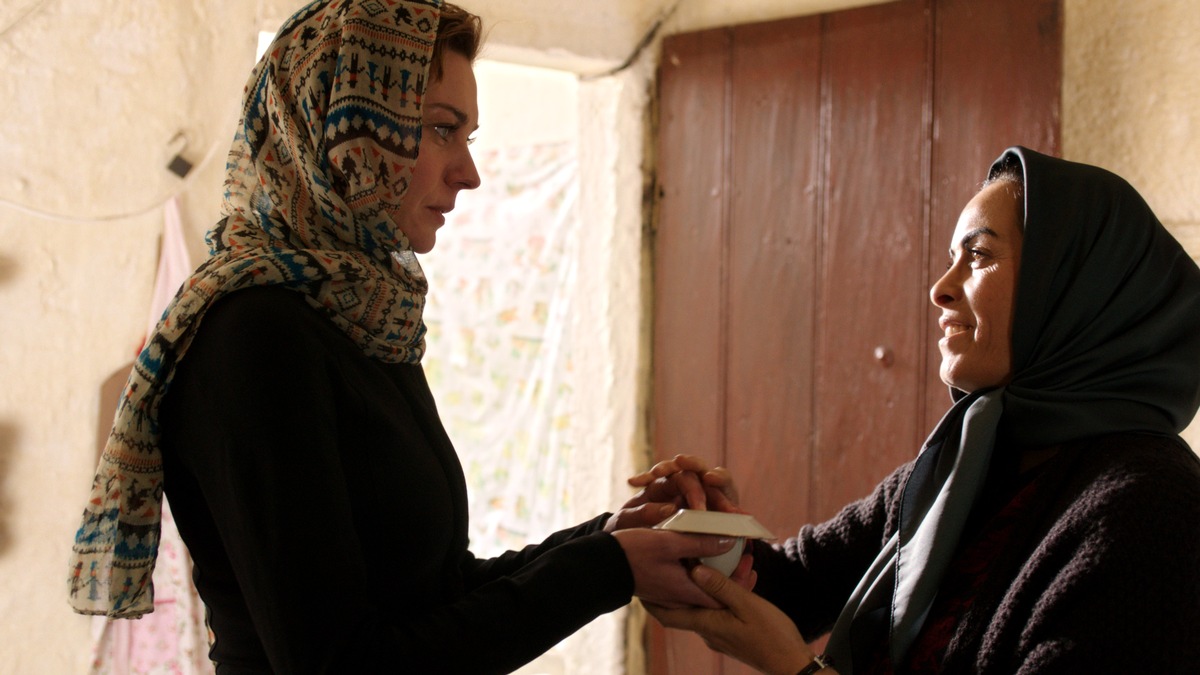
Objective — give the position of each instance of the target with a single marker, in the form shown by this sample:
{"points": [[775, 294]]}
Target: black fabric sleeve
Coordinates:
{"points": [[477, 571], [514, 617], [811, 575]]}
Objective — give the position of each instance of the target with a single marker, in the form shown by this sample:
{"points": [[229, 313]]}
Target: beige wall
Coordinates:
{"points": [[95, 98], [98, 95], [1131, 103]]}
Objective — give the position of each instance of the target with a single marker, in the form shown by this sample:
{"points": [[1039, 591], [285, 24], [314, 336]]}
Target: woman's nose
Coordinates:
{"points": [[465, 176], [943, 291]]}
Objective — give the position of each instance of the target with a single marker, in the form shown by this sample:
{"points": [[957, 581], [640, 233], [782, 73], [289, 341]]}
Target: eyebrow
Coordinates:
{"points": [[972, 235]]}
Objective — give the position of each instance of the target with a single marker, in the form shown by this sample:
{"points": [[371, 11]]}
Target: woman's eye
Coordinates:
{"points": [[979, 256], [972, 254], [447, 132]]}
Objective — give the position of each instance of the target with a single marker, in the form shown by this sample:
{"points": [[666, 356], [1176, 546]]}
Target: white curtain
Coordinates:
{"points": [[503, 286], [498, 359]]}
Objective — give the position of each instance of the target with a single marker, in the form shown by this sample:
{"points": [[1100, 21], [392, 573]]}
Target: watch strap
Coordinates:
{"points": [[818, 664]]}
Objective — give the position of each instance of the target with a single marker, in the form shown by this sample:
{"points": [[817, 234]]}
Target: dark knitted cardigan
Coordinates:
{"points": [[1102, 574]]}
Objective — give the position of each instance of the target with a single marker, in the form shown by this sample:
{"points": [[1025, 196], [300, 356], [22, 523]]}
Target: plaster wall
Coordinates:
{"points": [[1130, 102], [1130, 96], [98, 96]]}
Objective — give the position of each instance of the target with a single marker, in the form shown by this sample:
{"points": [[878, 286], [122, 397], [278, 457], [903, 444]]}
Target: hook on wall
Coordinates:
{"points": [[179, 165]]}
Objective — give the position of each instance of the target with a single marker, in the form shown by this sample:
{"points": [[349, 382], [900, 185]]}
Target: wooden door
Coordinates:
{"points": [[809, 174]]}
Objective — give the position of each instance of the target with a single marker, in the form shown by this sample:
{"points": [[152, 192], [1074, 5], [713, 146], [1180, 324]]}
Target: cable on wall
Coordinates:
{"points": [[178, 165], [36, 7], [646, 40]]}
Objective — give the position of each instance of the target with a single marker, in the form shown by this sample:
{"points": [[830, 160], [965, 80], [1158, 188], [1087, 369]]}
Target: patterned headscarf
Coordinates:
{"points": [[1106, 339], [326, 146]]}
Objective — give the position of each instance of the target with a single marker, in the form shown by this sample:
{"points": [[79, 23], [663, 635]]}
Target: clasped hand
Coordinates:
{"points": [[724, 612], [659, 559]]}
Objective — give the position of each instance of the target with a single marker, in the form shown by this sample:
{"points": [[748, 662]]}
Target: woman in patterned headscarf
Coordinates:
{"points": [[282, 406], [1049, 523]]}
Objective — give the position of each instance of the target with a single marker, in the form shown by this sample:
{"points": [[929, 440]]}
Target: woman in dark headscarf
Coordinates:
{"points": [[1050, 522], [282, 406]]}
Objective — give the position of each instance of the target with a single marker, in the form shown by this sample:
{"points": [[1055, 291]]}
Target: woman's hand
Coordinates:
{"points": [[657, 557], [688, 483], [646, 514], [746, 627]]}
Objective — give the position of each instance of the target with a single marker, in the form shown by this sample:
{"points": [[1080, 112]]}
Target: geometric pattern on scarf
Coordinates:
{"points": [[1106, 339], [324, 151]]}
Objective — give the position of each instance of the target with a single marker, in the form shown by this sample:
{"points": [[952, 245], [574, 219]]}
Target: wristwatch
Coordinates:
{"points": [[818, 663]]}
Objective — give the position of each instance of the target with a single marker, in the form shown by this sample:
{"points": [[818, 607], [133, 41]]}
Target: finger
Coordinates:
{"points": [[718, 476], [666, 467], [682, 618], [656, 491], [688, 485], [718, 500], [646, 515], [686, 546], [679, 463], [704, 622], [671, 617], [744, 575], [692, 463], [641, 479], [721, 480], [659, 470], [692, 597], [636, 500], [661, 490]]}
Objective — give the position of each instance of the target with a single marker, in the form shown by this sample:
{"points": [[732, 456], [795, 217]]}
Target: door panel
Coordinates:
{"points": [[690, 261], [868, 351], [689, 268], [772, 265]]}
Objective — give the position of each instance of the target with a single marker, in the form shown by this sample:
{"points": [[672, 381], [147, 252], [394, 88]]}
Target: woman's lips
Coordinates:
{"points": [[951, 328]]}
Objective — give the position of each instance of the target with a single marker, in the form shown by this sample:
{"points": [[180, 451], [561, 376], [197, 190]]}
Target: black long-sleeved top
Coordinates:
{"points": [[326, 512], [1099, 570]]}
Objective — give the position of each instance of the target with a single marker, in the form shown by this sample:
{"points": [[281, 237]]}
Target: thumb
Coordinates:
{"points": [[717, 585]]}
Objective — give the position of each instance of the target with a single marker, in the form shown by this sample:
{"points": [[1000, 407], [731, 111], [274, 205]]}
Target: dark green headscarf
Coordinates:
{"points": [[1106, 336], [1106, 339]]}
